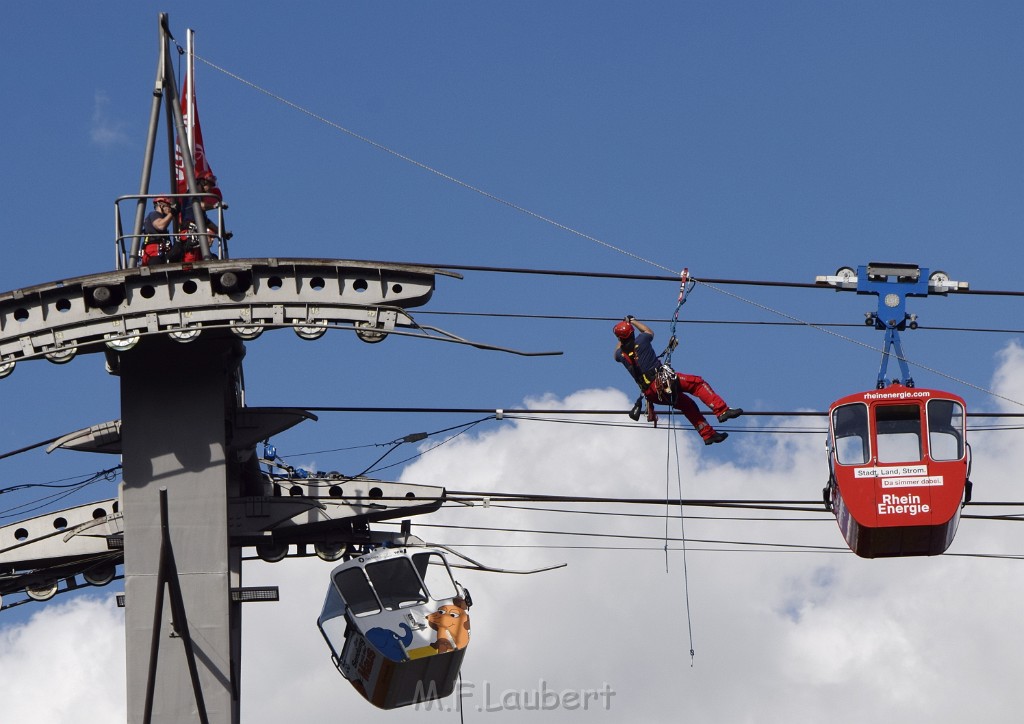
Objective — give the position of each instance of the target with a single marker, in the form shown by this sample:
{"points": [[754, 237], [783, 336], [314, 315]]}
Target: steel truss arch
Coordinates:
{"points": [[113, 309]]}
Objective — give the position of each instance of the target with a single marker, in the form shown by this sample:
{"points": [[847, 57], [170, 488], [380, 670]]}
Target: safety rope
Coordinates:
{"points": [[685, 286], [674, 440]]}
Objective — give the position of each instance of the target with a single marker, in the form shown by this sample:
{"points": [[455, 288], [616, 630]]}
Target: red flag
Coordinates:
{"points": [[199, 162]]}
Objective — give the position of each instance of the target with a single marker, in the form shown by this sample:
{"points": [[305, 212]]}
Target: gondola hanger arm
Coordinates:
{"points": [[477, 565], [450, 337]]}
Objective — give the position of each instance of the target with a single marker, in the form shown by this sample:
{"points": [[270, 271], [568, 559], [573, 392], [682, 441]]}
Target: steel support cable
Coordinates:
{"points": [[638, 548], [675, 278], [992, 503], [745, 430], [26, 449], [507, 411], [39, 503], [480, 496], [716, 322], [392, 442], [517, 414], [643, 548], [425, 167], [716, 286], [431, 448], [79, 563], [462, 502], [800, 550], [788, 506], [640, 426], [47, 500], [512, 411], [494, 197], [616, 275], [623, 536], [513, 414], [540, 217], [470, 187], [628, 536], [57, 484], [618, 514], [1019, 517], [505, 202], [813, 506], [646, 549], [858, 342]]}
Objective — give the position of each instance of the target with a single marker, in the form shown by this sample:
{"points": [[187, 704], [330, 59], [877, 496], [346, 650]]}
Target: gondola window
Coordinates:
{"points": [[356, 591], [434, 572], [850, 427], [899, 433], [945, 430], [396, 583]]}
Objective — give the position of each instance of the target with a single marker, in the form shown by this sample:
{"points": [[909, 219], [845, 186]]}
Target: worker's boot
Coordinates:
{"points": [[730, 413], [710, 435]]}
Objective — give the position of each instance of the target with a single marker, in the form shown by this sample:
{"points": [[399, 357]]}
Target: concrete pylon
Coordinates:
{"points": [[177, 404]]}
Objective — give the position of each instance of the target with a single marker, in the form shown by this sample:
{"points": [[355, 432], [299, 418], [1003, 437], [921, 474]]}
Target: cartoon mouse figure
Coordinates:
{"points": [[451, 622]]}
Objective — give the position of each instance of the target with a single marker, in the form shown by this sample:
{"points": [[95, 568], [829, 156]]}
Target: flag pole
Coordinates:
{"points": [[190, 75]]}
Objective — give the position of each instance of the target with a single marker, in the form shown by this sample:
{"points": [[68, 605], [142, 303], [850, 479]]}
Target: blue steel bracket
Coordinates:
{"points": [[892, 295], [892, 339], [892, 284]]}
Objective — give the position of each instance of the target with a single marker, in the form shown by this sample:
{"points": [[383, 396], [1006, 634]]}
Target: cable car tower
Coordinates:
{"points": [[193, 493], [898, 456]]}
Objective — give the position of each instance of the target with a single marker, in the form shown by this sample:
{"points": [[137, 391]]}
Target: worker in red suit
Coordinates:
{"points": [[660, 384]]}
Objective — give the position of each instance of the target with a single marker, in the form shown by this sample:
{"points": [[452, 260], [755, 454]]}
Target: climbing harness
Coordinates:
{"points": [[667, 381], [643, 381]]}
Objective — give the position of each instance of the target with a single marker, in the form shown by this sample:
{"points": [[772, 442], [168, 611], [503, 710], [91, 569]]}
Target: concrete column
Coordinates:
{"points": [[176, 401]]}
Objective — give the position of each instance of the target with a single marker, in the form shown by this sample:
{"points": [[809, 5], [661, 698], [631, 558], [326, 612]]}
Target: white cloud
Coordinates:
{"points": [[778, 636], [65, 664], [105, 130]]}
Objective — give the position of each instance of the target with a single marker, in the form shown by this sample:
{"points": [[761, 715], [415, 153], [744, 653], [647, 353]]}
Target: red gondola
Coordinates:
{"points": [[899, 465]]}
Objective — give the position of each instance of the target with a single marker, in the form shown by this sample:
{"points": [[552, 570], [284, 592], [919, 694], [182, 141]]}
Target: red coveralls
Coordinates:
{"points": [[693, 385], [643, 364]]}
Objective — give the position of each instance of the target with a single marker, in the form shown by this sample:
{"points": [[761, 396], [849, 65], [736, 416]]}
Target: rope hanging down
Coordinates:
{"points": [[673, 440]]}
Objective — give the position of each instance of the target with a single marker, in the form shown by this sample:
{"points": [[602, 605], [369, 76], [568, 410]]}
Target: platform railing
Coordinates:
{"points": [[123, 242]]}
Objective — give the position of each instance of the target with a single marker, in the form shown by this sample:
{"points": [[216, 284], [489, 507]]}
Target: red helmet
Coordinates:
{"points": [[623, 330], [161, 200]]}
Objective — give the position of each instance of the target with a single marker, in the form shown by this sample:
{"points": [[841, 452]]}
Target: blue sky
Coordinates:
{"points": [[744, 140]]}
